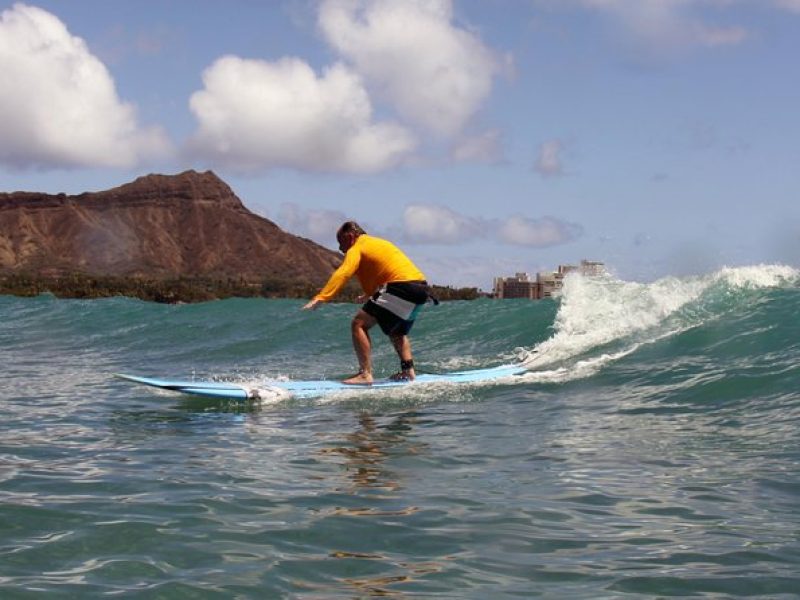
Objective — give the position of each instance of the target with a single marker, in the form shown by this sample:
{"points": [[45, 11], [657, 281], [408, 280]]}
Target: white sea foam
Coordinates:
{"points": [[599, 321], [599, 312], [758, 276]]}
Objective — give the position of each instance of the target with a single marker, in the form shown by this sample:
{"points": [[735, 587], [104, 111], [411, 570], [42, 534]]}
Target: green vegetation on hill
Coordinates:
{"points": [[183, 289], [445, 293]]}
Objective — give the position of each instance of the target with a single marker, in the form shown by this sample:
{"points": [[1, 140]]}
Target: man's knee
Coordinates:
{"points": [[362, 320], [356, 324]]}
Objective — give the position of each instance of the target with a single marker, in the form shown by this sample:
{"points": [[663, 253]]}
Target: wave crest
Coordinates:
{"points": [[600, 320]]}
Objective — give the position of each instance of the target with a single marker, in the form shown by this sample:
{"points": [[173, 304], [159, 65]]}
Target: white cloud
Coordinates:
{"points": [[665, 25], [539, 233], [435, 224], [58, 102], [255, 115], [470, 271], [548, 163], [790, 5], [434, 74], [720, 36], [317, 224], [486, 147]]}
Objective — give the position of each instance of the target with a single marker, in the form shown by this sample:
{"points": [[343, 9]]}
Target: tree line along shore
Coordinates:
{"points": [[183, 289]]}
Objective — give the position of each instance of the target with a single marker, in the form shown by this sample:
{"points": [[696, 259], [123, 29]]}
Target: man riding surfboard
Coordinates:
{"points": [[394, 291]]}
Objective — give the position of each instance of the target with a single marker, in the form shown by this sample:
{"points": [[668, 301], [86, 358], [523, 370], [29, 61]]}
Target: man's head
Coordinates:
{"points": [[348, 234]]}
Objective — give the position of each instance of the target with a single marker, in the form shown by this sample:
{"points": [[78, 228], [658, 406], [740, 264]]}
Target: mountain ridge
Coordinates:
{"points": [[158, 226]]}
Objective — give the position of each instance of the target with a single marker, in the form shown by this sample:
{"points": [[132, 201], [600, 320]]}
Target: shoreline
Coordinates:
{"points": [[182, 289]]}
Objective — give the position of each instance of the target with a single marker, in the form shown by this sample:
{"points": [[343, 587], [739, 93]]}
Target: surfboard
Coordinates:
{"points": [[317, 388]]}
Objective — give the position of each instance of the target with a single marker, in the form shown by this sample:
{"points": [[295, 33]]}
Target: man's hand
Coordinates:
{"points": [[312, 305], [362, 298]]}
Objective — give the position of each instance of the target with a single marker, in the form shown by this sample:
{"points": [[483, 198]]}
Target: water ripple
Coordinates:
{"points": [[672, 470]]}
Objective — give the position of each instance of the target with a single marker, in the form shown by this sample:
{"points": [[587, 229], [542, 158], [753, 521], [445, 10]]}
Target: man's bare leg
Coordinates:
{"points": [[402, 346], [359, 329]]}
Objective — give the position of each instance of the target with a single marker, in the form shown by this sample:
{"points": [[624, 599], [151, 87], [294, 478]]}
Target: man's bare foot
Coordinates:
{"points": [[359, 379], [404, 375]]}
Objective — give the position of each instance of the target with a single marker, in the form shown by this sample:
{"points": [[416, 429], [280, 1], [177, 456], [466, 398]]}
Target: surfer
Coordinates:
{"points": [[394, 290]]}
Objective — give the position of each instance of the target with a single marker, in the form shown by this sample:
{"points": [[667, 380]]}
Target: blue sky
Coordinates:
{"points": [[485, 137]]}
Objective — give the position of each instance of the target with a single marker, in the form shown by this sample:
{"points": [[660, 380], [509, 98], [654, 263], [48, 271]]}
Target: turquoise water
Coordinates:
{"points": [[652, 449]]}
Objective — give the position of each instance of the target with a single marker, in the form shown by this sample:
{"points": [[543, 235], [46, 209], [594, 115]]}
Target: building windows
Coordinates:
{"points": [[544, 285]]}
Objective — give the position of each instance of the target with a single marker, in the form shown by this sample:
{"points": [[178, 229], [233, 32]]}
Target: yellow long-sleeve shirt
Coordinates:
{"points": [[375, 262]]}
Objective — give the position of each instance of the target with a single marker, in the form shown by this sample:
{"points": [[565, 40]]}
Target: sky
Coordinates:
{"points": [[484, 137]]}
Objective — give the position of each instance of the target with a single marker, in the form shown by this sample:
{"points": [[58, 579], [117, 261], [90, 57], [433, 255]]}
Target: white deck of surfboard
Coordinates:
{"points": [[317, 388]]}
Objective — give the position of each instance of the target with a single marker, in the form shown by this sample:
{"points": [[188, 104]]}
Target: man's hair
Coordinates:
{"points": [[350, 227]]}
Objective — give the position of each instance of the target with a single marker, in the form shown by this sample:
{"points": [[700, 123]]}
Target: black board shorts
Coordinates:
{"points": [[396, 305]]}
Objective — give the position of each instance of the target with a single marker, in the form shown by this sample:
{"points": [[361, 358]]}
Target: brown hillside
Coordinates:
{"points": [[187, 225]]}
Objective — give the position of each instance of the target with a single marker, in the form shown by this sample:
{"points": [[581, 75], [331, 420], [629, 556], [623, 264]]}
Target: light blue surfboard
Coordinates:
{"points": [[317, 388]]}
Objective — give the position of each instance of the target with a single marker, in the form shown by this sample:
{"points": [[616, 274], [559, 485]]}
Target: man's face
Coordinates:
{"points": [[345, 241]]}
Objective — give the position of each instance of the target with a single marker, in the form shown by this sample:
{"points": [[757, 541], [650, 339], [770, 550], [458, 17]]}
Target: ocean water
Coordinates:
{"points": [[652, 450]]}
